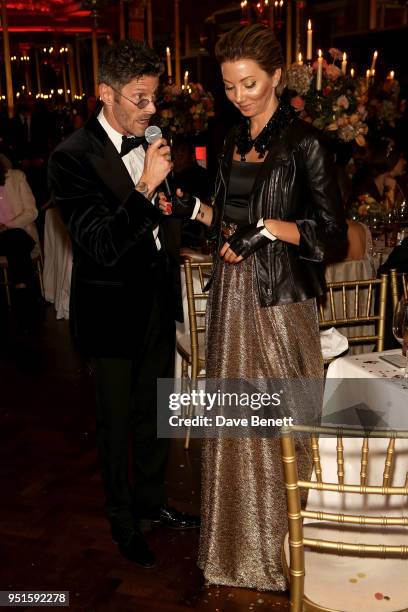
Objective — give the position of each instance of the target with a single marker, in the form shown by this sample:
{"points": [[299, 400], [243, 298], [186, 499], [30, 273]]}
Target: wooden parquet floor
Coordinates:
{"points": [[53, 532]]}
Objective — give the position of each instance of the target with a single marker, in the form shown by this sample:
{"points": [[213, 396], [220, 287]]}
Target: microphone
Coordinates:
{"points": [[153, 133]]}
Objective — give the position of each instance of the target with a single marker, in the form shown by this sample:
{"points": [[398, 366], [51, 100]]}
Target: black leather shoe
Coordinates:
{"points": [[136, 549], [170, 517]]}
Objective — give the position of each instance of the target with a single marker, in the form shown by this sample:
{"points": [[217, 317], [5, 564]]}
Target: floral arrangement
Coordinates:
{"points": [[339, 107], [367, 209], [383, 107], [185, 110]]}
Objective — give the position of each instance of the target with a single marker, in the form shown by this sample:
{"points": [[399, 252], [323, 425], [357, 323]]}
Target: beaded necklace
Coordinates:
{"points": [[282, 117]]}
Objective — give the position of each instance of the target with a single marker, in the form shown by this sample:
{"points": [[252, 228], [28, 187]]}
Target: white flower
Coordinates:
{"points": [[299, 78]]}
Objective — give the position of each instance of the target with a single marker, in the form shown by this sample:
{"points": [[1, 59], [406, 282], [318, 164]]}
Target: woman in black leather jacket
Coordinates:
{"points": [[278, 209]]}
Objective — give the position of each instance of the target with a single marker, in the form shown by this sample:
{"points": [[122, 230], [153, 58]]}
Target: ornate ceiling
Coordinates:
{"points": [[58, 16]]}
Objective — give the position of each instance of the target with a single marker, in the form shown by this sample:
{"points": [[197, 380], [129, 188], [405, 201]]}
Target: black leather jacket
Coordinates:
{"points": [[296, 182]]}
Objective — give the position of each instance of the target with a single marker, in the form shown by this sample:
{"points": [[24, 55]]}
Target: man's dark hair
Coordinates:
{"points": [[127, 60]]}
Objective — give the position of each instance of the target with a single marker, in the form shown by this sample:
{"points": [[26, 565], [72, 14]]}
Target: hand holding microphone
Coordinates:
{"points": [[157, 164], [182, 204]]}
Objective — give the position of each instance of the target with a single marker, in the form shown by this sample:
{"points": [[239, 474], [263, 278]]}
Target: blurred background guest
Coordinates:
{"points": [[191, 178], [18, 236], [377, 176]]}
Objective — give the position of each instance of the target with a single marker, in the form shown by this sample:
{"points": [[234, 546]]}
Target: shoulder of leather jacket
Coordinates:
{"points": [[301, 134]]}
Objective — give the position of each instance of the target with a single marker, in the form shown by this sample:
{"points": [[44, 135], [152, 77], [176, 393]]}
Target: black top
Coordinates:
{"points": [[240, 185]]}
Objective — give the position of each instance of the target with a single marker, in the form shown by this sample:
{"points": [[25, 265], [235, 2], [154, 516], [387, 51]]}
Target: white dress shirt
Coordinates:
{"points": [[134, 160]]}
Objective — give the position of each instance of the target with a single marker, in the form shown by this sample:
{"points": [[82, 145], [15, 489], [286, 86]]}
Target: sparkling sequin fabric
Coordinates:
{"points": [[243, 517]]}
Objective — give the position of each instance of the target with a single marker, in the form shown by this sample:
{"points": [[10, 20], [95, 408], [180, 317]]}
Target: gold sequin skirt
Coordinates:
{"points": [[243, 515]]}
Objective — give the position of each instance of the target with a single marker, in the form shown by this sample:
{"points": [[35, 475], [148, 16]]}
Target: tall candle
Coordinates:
{"points": [[319, 70], [300, 61], [244, 9], [368, 73], [309, 51], [375, 55], [168, 57], [344, 64], [186, 78]]}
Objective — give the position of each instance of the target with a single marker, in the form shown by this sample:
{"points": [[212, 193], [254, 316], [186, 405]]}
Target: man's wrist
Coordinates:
{"points": [[145, 188]]}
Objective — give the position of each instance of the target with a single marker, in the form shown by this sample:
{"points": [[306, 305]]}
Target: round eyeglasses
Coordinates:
{"points": [[142, 103]]}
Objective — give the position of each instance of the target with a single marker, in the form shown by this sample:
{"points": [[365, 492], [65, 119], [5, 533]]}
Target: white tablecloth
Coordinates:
{"points": [[57, 263], [376, 388]]}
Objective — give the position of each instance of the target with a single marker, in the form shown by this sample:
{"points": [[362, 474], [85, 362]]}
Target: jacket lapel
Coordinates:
{"points": [[107, 161]]}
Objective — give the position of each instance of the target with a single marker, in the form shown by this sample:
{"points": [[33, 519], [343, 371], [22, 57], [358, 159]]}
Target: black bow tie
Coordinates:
{"points": [[128, 144]]}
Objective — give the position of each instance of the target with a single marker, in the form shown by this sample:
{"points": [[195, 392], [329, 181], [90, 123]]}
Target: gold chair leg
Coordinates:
{"points": [[184, 376], [187, 439], [40, 278], [190, 414], [188, 430]]}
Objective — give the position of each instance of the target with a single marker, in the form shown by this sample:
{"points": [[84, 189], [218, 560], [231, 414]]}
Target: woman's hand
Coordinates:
{"points": [[182, 206], [164, 204], [228, 254], [243, 243]]}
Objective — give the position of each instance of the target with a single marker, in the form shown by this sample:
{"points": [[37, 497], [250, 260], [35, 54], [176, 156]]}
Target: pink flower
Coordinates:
{"points": [[326, 91], [332, 72], [324, 65], [361, 109], [298, 103], [342, 102], [336, 54], [342, 121]]}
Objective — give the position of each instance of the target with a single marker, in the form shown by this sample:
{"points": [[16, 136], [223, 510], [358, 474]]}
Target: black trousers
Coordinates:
{"points": [[132, 459], [17, 245]]}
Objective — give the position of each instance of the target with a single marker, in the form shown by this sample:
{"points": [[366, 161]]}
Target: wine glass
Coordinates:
{"points": [[400, 328]]}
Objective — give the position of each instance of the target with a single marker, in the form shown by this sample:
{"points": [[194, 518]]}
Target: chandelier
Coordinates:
{"points": [[269, 12]]}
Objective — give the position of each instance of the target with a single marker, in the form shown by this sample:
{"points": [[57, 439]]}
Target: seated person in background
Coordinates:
{"points": [[18, 234], [358, 247], [191, 178], [354, 262], [398, 259], [377, 176]]}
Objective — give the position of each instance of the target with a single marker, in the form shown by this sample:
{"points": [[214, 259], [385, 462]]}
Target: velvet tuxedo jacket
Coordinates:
{"points": [[114, 251]]}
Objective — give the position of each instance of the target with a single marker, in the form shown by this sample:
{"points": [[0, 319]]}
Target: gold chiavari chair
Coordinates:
{"points": [[191, 346], [399, 286], [352, 304], [326, 573]]}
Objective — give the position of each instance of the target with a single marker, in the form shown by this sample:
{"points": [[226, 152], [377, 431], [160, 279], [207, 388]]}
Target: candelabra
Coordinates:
{"points": [[269, 12]]}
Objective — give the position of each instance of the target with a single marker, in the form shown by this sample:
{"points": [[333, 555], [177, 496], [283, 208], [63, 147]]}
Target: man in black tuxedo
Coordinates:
{"points": [[125, 285]]}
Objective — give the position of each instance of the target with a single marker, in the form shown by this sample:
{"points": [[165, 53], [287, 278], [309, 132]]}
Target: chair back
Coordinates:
{"points": [[399, 286], [197, 274], [349, 304], [296, 515]]}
